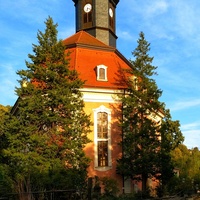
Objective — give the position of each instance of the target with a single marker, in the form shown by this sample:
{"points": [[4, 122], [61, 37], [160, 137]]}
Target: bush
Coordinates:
{"points": [[110, 187]]}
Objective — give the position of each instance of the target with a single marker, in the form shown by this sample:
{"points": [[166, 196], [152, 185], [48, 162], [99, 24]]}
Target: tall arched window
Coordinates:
{"points": [[87, 17], [102, 138], [111, 17], [87, 12]]}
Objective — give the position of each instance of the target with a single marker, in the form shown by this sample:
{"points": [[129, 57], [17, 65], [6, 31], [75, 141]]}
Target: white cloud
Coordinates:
{"points": [[191, 126], [155, 8], [191, 132], [184, 105], [126, 35], [186, 14], [192, 138]]}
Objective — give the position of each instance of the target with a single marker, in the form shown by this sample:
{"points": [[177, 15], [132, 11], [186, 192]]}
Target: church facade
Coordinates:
{"points": [[94, 55]]}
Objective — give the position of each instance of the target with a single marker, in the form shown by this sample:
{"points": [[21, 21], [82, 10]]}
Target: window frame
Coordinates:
{"points": [[87, 17], [96, 139], [99, 68]]}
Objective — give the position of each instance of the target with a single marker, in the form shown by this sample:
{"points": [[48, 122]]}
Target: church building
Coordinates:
{"points": [[94, 55]]}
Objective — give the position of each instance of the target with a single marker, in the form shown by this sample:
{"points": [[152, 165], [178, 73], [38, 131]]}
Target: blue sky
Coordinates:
{"points": [[171, 26]]}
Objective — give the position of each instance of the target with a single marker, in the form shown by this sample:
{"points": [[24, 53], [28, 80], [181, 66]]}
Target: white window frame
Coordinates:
{"points": [[96, 111], [98, 72]]}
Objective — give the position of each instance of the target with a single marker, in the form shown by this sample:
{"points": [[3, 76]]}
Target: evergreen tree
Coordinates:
{"points": [[171, 137], [48, 132], [141, 128]]}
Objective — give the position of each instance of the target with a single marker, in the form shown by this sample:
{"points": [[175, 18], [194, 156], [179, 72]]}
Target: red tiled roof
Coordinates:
{"points": [[84, 38], [86, 53]]}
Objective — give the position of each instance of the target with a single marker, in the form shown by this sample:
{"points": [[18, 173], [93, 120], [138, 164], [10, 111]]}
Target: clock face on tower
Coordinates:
{"points": [[87, 8], [110, 12]]}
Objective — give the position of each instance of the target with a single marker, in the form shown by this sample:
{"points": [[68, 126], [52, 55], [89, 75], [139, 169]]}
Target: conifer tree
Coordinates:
{"points": [[141, 108], [49, 128]]}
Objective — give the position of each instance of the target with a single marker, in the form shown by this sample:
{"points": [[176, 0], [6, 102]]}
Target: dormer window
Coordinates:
{"points": [[102, 73]]}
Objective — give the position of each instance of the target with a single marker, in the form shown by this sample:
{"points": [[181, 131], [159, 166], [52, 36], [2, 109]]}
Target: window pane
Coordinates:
{"points": [[102, 125], [102, 153], [87, 17], [102, 73], [111, 21]]}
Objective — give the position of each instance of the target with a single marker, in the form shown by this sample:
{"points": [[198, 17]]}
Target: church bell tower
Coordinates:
{"points": [[98, 18]]}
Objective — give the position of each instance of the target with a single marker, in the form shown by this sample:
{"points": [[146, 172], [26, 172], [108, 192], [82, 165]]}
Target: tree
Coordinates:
{"points": [[171, 137], [142, 143], [4, 110], [5, 184], [48, 132], [187, 161]]}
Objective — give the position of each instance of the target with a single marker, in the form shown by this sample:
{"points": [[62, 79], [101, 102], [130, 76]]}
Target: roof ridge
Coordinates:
{"points": [[80, 34]]}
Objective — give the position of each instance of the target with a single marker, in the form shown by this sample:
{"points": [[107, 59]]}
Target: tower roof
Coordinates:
{"points": [[116, 1], [83, 38]]}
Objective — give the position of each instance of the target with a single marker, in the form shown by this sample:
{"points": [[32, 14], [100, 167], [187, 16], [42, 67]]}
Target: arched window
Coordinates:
{"points": [[102, 138], [87, 17], [87, 12], [111, 17]]}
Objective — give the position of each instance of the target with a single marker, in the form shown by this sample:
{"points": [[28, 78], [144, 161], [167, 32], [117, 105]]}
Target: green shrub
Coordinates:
{"points": [[110, 186]]}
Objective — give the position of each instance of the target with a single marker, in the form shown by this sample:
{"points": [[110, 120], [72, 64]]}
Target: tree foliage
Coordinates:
{"points": [[149, 134], [187, 161], [48, 131], [187, 164]]}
